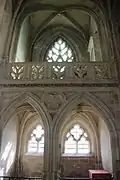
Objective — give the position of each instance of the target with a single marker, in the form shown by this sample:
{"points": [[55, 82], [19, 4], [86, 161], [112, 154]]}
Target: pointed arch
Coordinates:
{"points": [[31, 99], [85, 122], [60, 51], [101, 108], [90, 99], [38, 50], [34, 101]]}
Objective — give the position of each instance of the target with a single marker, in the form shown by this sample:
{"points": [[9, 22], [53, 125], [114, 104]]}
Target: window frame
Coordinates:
{"points": [[51, 46], [76, 154], [37, 143]]}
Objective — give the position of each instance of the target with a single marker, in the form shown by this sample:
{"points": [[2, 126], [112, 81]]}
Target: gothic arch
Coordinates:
{"points": [[101, 108], [34, 101], [31, 99], [65, 33], [88, 98], [26, 131], [27, 126], [87, 125], [41, 30]]}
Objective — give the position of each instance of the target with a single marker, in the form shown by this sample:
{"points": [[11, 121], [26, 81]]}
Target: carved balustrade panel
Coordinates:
{"points": [[102, 71], [17, 72], [78, 71], [24, 71], [36, 72]]}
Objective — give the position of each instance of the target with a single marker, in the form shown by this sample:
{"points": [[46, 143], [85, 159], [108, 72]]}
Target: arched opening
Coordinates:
{"points": [[82, 153], [84, 32], [32, 144], [98, 148], [24, 139]]}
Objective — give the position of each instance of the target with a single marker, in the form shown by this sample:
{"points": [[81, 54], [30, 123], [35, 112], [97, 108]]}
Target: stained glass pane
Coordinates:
{"points": [[77, 141], [60, 52], [36, 142]]}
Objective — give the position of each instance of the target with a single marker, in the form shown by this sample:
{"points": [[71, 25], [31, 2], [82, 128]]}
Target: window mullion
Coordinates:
{"points": [[77, 142], [77, 147], [36, 138], [38, 146]]}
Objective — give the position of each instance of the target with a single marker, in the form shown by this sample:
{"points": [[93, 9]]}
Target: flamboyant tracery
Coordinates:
{"points": [[60, 51]]}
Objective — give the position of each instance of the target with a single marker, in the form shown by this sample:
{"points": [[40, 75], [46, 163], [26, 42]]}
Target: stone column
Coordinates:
{"points": [[55, 157], [48, 157]]}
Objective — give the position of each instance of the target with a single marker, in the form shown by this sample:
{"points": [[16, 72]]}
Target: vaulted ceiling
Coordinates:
{"points": [[110, 6], [44, 13], [111, 3]]}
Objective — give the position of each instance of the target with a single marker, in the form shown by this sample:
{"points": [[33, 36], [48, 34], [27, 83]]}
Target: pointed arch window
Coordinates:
{"points": [[59, 54], [60, 51], [77, 141], [36, 140]]}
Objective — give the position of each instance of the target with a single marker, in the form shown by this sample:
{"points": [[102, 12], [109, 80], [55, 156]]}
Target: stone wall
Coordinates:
{"points": [[78, 166], [33, 165]]}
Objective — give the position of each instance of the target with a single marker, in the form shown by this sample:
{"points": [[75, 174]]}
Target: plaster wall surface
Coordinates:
{"points": [[8, 146], [33, 164], [22, 47], [105, 146], [78, 166]]}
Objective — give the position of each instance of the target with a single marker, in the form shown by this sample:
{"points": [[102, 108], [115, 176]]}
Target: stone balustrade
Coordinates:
{"points": [[45, 72]]}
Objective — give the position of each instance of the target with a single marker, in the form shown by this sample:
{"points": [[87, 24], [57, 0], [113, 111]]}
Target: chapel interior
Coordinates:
{"points": [[59, 89]]}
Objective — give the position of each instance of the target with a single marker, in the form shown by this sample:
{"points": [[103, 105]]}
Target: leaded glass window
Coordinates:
{"points": [[77, 141], [36, 141], [60, 52]]}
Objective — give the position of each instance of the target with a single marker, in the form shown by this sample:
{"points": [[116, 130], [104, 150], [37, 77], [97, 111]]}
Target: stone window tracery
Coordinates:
{"points": [[60, 52], [36, 141], [76, 141]]}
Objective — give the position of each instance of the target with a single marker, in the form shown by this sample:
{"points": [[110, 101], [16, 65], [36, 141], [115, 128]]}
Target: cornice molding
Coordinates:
{"points": [[61, 85]]}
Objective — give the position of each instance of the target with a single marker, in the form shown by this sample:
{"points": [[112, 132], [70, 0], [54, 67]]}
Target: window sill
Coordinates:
{"points": [[34, 154], [77, 155]]}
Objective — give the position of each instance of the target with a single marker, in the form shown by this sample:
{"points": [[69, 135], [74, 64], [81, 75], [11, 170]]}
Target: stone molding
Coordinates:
{"points": [[61, 85]]}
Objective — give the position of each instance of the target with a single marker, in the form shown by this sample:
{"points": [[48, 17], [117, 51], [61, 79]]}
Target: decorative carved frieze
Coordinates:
{"points": [[74, 84]]}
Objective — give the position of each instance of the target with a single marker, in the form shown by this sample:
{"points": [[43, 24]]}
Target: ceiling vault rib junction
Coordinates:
{"points": [[41, 28]]}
